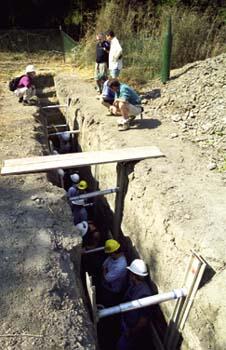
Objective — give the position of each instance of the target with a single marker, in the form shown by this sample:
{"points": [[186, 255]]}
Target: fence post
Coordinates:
{"points": [[62, 41], [166, 52]]}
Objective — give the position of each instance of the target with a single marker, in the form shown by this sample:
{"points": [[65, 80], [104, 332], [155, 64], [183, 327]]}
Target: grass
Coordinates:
{"points": [[196, 36]]}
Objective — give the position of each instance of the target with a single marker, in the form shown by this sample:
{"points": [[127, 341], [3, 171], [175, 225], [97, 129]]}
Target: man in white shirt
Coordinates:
{"points": [[115, 54]]}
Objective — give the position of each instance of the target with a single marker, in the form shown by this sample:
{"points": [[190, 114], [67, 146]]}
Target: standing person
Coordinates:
{"points": [[114, 274], [65, 142], [127, 103], [26, 89], [101, 66], [115, 54], [134, 323], [78, 207]]}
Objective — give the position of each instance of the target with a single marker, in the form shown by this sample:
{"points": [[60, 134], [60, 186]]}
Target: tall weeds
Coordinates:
{"points": [[139, 29]]}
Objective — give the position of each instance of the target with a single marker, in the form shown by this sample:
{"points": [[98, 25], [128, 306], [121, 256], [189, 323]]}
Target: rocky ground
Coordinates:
{"points": [[195, 101]]}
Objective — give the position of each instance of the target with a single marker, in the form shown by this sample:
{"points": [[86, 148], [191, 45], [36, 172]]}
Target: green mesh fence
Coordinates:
{"points": [[30, 40], [69, 45]]}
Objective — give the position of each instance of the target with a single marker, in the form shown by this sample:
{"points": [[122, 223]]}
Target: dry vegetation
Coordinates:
{"points": [[196, 36]]}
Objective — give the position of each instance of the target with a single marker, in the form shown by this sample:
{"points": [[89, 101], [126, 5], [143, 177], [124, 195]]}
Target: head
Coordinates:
{"points": [[82, 228], [138, 270], [75, 178], [100, 37], [110, 35], [112, 247], [60, 172], [30, 70], [114, 85], [65, 136], [82, 185]]}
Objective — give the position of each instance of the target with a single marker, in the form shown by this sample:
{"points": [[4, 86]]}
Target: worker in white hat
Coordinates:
{"points": [[65, 142], [135, 323], [25, 88], [82, 228]]}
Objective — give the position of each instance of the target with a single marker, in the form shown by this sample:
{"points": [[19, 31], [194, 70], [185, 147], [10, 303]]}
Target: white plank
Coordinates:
{"points": [[74, 160]]}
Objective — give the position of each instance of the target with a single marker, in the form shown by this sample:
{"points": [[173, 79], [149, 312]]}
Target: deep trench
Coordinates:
{"points": [[99, 212]]}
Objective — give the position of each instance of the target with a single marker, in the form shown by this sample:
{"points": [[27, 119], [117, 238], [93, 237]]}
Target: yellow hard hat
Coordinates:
{"points": [[82, 185], [111, 246]]}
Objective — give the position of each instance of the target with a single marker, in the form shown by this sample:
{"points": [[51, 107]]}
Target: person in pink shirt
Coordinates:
{"points": [[25, 89]]}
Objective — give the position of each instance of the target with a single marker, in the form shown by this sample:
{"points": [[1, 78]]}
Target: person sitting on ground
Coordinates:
{"points": [[127, 103], [108, 96], [134, 323], [101, 66], [114, 274], [115, 54], [26, 89]]}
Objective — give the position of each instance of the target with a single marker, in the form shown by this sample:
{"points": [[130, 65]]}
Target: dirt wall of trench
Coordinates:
{"points": [[173, 205]]}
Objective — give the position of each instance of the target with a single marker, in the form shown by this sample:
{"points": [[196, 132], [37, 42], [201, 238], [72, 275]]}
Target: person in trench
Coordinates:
{"points": [[135, 332], [65, 142], [78, 208], [92, 263], [114, 274]]}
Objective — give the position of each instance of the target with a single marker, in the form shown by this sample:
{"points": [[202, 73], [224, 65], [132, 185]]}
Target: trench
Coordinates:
{"points": [[100, 215]]}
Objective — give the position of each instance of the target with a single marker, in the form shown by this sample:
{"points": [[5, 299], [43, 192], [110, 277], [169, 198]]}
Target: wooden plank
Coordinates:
{"points": [[76, 160]]}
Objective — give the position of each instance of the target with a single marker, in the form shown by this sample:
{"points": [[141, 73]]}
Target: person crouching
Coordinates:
{"points": [[26, 89]]}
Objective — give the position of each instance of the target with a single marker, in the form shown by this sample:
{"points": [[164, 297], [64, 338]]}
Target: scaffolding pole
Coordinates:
{"points": [[143, 302]]}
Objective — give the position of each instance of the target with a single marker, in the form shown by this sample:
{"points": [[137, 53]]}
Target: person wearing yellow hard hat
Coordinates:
{"points": [[78, 208], [82, 185], [114, 274]]}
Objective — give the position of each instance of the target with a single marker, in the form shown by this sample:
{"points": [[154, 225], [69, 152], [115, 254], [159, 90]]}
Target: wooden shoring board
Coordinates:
{"points": [[74, 160], [193, 276]]}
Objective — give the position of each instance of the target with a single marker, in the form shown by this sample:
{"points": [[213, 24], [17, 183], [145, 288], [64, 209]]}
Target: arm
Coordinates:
{"points": [[114, 273]]}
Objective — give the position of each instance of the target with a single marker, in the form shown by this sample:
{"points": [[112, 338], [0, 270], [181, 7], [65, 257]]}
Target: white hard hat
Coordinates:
{"points": [[55, 152], [30, 68], [60, 172], [138, 267], [82, 227], [65, 136], [75, 178]]}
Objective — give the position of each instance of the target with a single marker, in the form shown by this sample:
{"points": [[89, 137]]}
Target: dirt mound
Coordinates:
{"points": [[195, 101]]}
